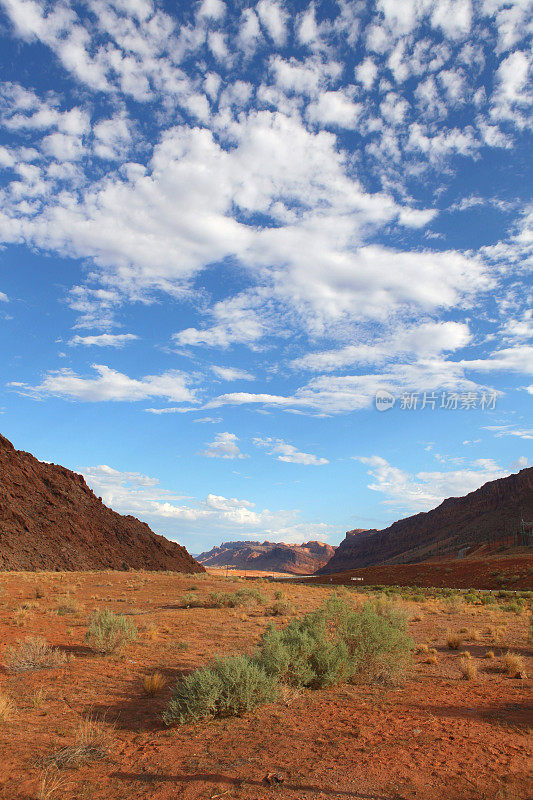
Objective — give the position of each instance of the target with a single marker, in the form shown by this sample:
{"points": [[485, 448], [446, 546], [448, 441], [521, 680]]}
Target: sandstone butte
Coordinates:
{"points": [[297, 559]]}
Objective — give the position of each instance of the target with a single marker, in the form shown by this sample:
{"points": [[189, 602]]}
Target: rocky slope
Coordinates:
{"points": [[298, 559], [51, 520], [487, 520]]}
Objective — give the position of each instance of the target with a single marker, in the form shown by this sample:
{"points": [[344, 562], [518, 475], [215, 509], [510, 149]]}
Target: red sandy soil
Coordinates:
{"points": [[437, 736], [505, 572]]}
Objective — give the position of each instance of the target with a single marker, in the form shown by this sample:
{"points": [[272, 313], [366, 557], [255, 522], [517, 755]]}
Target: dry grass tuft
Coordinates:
{"points": [[39, 697], [514, 665], [33, 653], [432, 659], [491, 654], [20, 615], [422, 648], [154, 683], [68, 605], [453, 641], [498, 635], [50, 784], [468, 669], [7, 708], [92, 743], [151, 632]]}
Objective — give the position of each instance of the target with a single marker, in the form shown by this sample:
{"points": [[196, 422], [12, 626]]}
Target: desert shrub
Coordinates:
{"points": [[323, 648], [191, 600], [234, 599], [468, 669], [223, 599], [229, 687], [514, 665], [109, 632], [33, 653], [279, 608], [453, 641], [154, 683], [514, 607], [487, 599], [454, 604], [336, 643]]}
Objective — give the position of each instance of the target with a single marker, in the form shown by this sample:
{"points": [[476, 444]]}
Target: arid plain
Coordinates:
{"points": [[458, 726]]}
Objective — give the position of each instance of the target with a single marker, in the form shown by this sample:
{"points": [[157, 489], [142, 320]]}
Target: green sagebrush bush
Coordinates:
{"points": [[336, 644], [325, 647], [229, 687], [108, 632]]}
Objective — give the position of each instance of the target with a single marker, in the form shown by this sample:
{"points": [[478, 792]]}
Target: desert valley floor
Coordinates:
{"points": [[436, 736]]}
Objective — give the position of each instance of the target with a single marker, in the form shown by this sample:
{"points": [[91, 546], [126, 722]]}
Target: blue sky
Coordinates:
{"points": [[226, 226]]}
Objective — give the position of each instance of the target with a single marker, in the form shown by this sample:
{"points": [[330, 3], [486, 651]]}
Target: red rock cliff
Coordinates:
{"points": [[51, 520], [487, 519]]}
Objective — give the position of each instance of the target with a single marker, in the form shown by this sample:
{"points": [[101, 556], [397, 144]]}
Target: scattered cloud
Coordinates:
{"points": [[425, 339], [224, 445], [142, 496], [425, 490], [287, 452], [104, 340], [110, 385], [332, 394], [510, 430], [232, 374]]}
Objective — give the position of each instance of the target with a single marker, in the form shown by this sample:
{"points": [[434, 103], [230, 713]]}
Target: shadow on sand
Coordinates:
{"points": [[217, 778]]}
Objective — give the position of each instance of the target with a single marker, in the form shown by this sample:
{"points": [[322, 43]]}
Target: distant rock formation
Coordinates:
{"points": [[486, 520], [297, 559], [51, 520]]}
